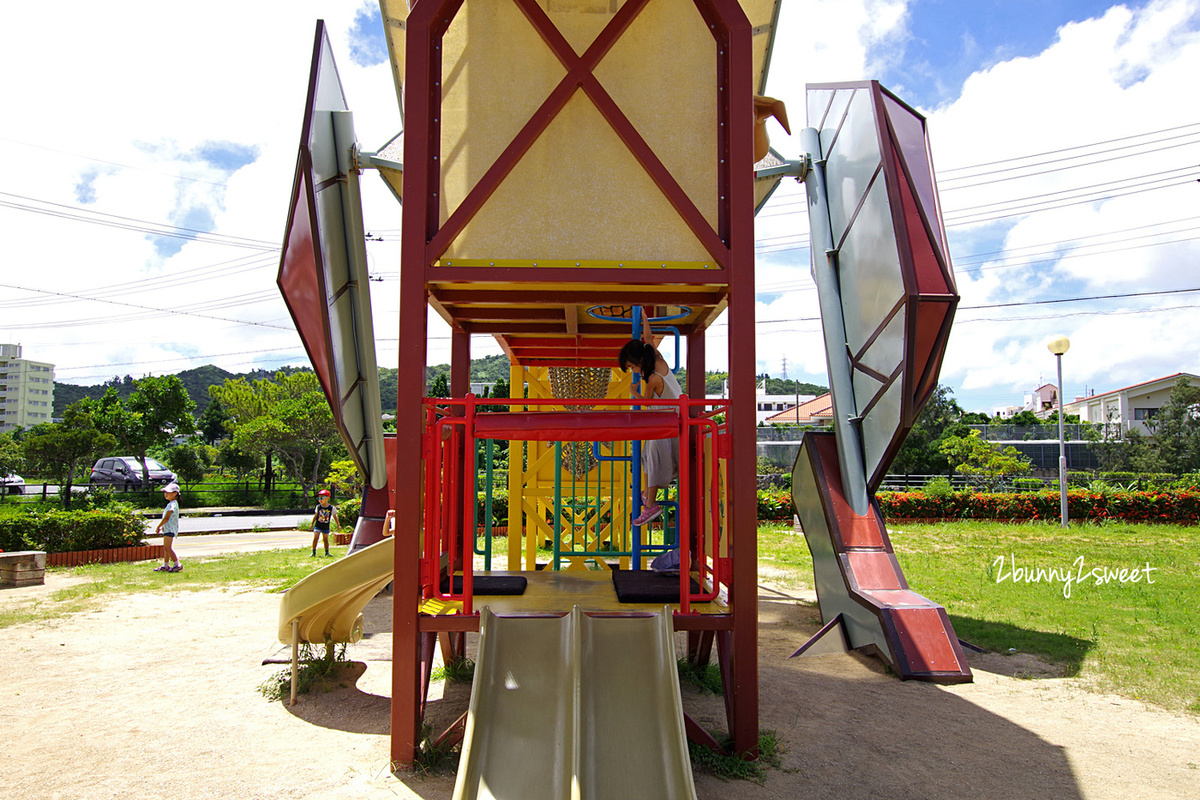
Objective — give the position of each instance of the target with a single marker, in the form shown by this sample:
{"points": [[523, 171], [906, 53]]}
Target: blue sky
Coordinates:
{"points": [[948, 40], [156, 120]]}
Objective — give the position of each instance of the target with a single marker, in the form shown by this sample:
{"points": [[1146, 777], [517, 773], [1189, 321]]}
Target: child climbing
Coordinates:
{"points": [[660, 457]]}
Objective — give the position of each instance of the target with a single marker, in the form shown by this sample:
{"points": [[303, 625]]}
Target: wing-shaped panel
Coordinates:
{"points": [[894, 282], [323, 271]]}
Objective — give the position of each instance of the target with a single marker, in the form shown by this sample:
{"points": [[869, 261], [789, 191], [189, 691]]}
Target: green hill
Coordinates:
{"points": [[489, 369]]}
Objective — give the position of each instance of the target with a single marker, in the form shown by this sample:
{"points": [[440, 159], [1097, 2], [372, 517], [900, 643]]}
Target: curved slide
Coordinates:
{"points": [[575, 708], [329, 602]]}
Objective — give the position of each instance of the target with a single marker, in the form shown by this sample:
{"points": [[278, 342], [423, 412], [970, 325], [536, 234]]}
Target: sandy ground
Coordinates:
{"points": [[155, 695]]}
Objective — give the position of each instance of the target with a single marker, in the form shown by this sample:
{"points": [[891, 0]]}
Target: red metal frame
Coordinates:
{"points": [[449, 526], [732, 286]]}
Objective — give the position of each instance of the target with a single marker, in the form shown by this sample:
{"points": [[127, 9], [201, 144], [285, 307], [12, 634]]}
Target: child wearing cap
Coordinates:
{"points": [[168, 528], [324, 514]]}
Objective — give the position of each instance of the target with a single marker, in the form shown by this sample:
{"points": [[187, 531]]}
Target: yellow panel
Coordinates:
{"points": [[760, 14], [763, 187], [580, 21], [578, 194], [669, 93], [394, 178], [395, 12], [545, 263], [496, 71]]}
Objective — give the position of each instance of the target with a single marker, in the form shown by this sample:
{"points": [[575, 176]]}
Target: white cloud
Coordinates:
{"points": [[1104, 79], [146, 87], [170, 99]]}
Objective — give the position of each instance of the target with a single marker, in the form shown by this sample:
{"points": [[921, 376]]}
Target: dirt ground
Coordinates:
{"points": [[155, 696]]}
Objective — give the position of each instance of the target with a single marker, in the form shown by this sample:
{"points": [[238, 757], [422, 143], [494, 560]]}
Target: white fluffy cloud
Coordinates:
{"points": [[190, 116], [1109, 79], [1113, 78], [152, 112]]}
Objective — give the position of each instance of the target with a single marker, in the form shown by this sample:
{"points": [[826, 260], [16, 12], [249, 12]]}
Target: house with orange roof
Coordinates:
{"points": [[818, 411]]}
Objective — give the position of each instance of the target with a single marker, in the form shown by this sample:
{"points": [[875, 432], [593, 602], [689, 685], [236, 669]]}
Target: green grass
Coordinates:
{"points": [[270, 570], [319, 667], [732, 767], [1140, 640], [459, 671], [705, 677]]}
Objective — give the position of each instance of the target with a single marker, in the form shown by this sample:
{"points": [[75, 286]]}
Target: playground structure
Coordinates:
{"points": [[565, 164]]}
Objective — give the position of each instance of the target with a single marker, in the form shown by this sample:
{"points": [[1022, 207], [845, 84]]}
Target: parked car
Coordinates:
{"points": [[12, 484], [124, 473]]}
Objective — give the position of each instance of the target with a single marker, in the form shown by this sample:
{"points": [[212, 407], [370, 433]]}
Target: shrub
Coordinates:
{"points": [[67, 531], [939, 487], [774, 504], [1155, 506], [499, 508], [347, 512]]}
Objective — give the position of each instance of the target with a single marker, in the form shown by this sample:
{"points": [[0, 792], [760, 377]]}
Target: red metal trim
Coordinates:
{"points": [[742, 686], [422, 62], [624, 276]]}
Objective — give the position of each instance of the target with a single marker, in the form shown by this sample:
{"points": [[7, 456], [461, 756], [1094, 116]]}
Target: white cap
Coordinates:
{"points": [[171, 487]]}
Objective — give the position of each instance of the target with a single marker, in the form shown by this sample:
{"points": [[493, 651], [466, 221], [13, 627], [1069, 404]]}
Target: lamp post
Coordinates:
{"points": [[1059, 345]]}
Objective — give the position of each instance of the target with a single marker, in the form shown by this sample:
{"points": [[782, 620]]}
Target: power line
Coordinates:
{"points": [[140, 307], [1069, 149], [78, 214]]}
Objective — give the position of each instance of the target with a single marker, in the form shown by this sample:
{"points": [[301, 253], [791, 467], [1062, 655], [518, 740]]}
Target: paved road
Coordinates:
{"points": [[210, 535], [232, 523], [216, 543]]}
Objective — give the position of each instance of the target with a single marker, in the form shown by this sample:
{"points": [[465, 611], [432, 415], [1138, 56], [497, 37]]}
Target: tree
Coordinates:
{"points": [[158, 410], [971, 455], [59, 450], [1026, 418], [187, 462], [440, 386], [345, 479], [714, 382], [242, 463], [12, 456], [920, 454], [1176, 429], [212, 423], [288, 416]]}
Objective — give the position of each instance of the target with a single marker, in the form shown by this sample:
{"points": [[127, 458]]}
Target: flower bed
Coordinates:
{"points": [[1178, 506]]}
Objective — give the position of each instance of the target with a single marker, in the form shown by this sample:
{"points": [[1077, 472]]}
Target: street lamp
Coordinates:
{"points": [[1059, 345]]}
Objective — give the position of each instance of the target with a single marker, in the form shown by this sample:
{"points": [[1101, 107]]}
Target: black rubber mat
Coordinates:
{"points": [[647, 586], [488, 584]]}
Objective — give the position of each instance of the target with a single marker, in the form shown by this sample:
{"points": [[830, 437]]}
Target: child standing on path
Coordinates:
{"points": [[168, 528], [324, 514]]}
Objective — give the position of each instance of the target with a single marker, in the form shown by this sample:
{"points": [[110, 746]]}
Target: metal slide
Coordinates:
{"points": [[575, 708], [329, 602]]}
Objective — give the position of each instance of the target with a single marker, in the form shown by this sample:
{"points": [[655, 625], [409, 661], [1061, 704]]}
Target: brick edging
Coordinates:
{"points": [[114, 555]]}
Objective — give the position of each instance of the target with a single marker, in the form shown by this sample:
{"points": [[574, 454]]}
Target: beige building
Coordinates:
{"points": [[26, 390], [1131, 407]]}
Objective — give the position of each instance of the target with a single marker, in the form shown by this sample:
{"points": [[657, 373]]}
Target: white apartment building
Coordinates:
{"points": [[26, 390], [1131, 407]]}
